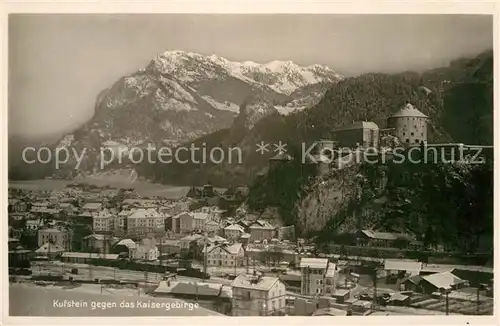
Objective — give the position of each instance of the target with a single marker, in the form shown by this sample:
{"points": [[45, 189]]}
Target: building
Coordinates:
{"points": [[233, 232], [59, 237], [210, 239], [225, 255], [68, 208], [143, 222], [131, 203], [318, 276], [120, 222], [211, 227], [33, 225], [185, 222], [397, 269], [255, 295], [145, 250], [86, 257], [213, 296], [17, 206], [410, 125], [40, 204], [261, 230], [124, 246], [169, 246], [359, 133], [436, 282], [199, 220], [189, 243], [92, 207], [383, 239], [101, 243], [50, 250], [103, 221]]}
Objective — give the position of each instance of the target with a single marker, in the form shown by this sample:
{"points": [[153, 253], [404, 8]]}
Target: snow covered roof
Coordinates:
{"points": [[443, 280], [201, 289], [51, 230], [129, 243], [314, 263], [263, 283], [199, 215], [103, 214], [330, 312], [233, 249], [402, 265], [408, 111], [193, 237], [143, 212], [235, 227], [49, 247], [88, 255], [386, 235], [260, 224], [330, 272], [92, 206], [359, 125]]}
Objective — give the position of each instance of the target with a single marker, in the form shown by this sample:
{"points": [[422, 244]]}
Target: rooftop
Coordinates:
{"points": [[200, 216], [314, 263], [401, 265], [88, 255], [92, 206], [408, 111], [201, 289], [235, 227], [231, 249], [359, 125], [143, 212], [386, 235], [330, 272], [49, 247], [443, 280], [129, 243], [330, 312], [262, 283], [51, 230]]}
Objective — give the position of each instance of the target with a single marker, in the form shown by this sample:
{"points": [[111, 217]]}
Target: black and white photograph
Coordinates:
{"points": [[264, 165]]}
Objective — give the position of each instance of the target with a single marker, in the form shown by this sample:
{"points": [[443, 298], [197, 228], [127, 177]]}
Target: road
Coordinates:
{"points": [[90, 272]]}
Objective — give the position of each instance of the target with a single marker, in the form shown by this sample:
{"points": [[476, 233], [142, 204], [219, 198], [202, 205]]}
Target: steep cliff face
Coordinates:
{"points": [[328, 197], [450, 204]]}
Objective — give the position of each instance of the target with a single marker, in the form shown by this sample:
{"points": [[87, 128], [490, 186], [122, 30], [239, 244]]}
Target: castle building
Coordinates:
{"points": [[410, 125], [359, 133]]}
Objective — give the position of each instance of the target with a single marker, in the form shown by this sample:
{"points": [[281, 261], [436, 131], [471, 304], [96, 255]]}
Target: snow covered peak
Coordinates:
{"points": [[282, 76], [280, 66]]}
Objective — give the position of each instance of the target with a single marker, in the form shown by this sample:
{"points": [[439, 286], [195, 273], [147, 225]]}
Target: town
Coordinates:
{"points": [[207, 248]]}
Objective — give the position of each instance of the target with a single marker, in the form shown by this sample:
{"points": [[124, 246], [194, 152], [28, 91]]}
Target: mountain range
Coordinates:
{"points": [[183, 97], [458, 100]]}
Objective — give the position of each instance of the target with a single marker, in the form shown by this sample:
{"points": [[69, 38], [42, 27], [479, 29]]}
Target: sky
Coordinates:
{"points": [[58, 63]]}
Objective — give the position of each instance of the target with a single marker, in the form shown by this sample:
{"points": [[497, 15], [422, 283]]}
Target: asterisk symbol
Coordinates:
{"points": [[262, 147], [280, 148]]}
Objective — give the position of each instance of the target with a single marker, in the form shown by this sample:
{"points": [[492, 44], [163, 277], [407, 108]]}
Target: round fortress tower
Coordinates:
{"points": [[410, 125]]}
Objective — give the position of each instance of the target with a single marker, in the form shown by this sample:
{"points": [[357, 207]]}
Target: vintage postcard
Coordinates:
{"points": [[258, 164]]}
